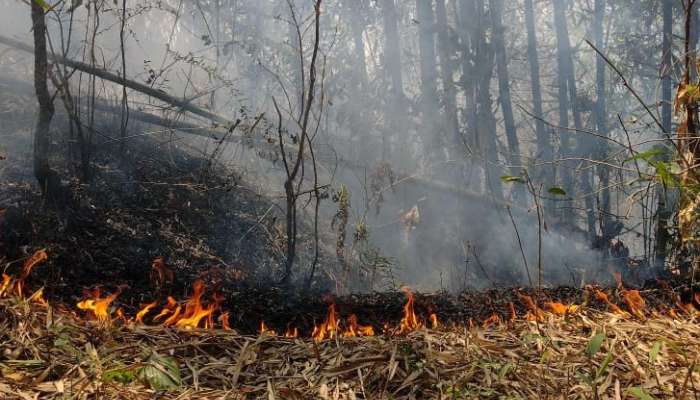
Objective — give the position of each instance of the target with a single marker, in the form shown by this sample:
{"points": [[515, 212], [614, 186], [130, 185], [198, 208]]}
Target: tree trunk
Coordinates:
{"points": [[601, 118], [504, 93], [662, 211], [565, 145], [42, 169], [446, 50], [428, 76], [544, 143], [392, 62]]}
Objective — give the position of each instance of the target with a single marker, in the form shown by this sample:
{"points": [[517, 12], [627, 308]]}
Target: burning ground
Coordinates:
{"points": [[621, 343]]}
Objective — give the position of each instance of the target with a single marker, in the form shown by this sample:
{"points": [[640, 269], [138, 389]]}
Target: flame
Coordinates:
{"points": [[513, 314], [168, 309], [38, 297], [218, 298], [601, 296], [223, 319], [194, 311], [409, 322], [534, 313], [328, 328], [161, 275], [493, 319], [355, 329], [172, 319], [120, 315], [291, 333], [434, 323], [38, 257], [98, 306], [635, 302], [6, 282], [142, 312], [561, 309], [265, 331]]}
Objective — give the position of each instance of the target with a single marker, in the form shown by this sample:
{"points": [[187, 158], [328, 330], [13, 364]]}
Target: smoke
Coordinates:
{"points": [[234, 57]]}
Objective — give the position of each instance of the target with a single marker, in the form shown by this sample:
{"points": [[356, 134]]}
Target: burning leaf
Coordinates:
{"points": [[291, 333], [535, 312], [168, 309], [160, 373], [194, 311], [611, 306], [561, 309], [635, 302], [223, 319]]}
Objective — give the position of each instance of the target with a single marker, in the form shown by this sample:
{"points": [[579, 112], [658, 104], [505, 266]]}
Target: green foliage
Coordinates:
{"points": [[123, 376], [654, 352], [595, 344], [160, 372], [512, 179], [43, 4], [640, 393], [557, 191]]}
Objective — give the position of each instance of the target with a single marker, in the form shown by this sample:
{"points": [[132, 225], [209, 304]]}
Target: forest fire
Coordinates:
{"points": [[97, 305]]}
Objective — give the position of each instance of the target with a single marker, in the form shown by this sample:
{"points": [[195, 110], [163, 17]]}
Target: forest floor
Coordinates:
{"points": [[51, 353]]}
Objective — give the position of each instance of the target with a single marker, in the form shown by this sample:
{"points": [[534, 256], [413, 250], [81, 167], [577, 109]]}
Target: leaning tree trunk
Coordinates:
{"points": [[504, 93], [42, 169]]}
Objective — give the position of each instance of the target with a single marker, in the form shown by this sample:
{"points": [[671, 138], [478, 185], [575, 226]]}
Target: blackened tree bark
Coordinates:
{"points": [[504, 92], [42, 170], [544, 143]]}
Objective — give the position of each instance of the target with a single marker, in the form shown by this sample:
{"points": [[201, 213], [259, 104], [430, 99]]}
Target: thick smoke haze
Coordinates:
{"points": [[423, 111]]}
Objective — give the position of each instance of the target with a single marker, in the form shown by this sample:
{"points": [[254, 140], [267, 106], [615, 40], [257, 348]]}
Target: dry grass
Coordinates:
{"points": [[48, 354]]}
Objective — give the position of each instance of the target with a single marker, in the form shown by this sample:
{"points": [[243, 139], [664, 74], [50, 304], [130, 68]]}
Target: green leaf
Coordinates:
{"points": [[654, 352], [160, 373], [647, 154], [43, 4], [557, 191], [595, 344], [604, 365], [123, 376], [640, 393], [512, 179]]}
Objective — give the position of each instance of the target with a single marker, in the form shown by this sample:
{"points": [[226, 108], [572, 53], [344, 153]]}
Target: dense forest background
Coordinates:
{"points": [[441, 143]]}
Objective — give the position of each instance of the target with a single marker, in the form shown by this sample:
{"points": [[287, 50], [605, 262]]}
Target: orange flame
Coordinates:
{"points": [[561, 309], [355, 329], [513, 314], [291, 333], [38, 257], [635, 302], [223, 319], [434, 323], [493, 319], [98, 306], [6, 282], [38, 297], [409, 322], [194, 311], [329, 327], [534, 313], [601, 296], [142, 312], [168, 309], [265, 331]]}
